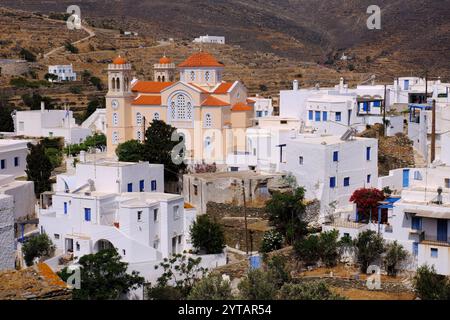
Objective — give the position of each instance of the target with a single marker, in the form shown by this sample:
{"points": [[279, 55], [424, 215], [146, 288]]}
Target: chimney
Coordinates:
{"points": [[42, 106], [341, 83], [295, 85]]}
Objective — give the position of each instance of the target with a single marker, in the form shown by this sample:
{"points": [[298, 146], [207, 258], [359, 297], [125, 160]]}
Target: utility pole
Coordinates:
{"points": [[245, 217], [433, 133], [426, 86], [384, 110]]}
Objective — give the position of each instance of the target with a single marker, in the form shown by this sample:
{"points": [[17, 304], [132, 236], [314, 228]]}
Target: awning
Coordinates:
{"points": [[432, 214]]}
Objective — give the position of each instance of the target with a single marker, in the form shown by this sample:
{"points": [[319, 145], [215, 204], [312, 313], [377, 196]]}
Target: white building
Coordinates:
{"points": [[64, 72], [331, 168], [263, 106], [7, 251], [49, 123], [96, 122], [13, 157], [22, 193], [407, 90], [334, 110], [120, 205], [210, 39]]}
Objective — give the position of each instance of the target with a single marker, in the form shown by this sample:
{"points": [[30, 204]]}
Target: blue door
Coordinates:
{"points": [[130, 187], [442, 230], [406, 178]]}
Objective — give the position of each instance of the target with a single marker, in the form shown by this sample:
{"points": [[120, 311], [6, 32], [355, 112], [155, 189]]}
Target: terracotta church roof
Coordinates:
{"points": [[147, 101], [150, 86], [214, 102], [201, 59]]}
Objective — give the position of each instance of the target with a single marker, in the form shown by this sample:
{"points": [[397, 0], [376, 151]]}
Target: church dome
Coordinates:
{"points": [[119, 60], [165, 60]]}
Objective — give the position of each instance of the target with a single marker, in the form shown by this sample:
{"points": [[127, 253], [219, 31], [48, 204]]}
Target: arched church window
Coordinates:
{"points": [[156, 116], [208, 120], [192, 76], [113, 83], [118, 84], [115, 119], [138, 119], [207, 76], [181, 106]]}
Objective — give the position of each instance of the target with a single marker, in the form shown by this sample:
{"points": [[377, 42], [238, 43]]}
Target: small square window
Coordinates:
{"points": [[176, 213], [155, 215], [3, 164], [369, 178], [56, 236], [124, 252], [139, 216], [78, 246], [447, 183], [16, 161], [195, 190], [336, 156], [154, 185], [333, 182], [300, 161], [346, 182], [434, 253]]}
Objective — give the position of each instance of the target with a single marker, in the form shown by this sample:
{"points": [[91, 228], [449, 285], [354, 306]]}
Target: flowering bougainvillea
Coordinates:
{"points": [[367, 199]]}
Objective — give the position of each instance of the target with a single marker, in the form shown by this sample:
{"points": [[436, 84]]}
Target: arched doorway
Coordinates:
{"points": [[102, 244]]}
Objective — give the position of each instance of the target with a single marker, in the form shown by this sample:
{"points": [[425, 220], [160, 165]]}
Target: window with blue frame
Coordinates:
{"points": [[142, 186], [369, 178], [87, 214], [338, 117], [333, 182], [311, 115], [325, 116], [16, 161], [368, 153], [346, 182], [153, 185], [130, 187], [434, 253], [336, 156], [65, 208], [318, 116], [377, 104], [3, 164], [415, 249], [259, 114], [416, 223]]}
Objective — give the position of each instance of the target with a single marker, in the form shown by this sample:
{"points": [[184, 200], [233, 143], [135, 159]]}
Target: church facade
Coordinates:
{"points": [[212, 115]]}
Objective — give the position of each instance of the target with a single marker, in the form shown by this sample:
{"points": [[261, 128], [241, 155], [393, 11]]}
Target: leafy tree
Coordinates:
{"points": [[257, 285], [159, 148], [431, 286], [55, 157], [71, 48], [51, 77], [104, 277], [130, 151], [271, 241], [180, 274], [39, 168], [329, 248], [92, 106], [212, 287], [307, 250], [34, 101], [207, 235], [316, 290], [395, 255], [37, 247], [369, 248], [286, 213], [27, 55], [278, 270], [6, 121], [97, 83], [97, 140], [367, 199], [75, 89]]}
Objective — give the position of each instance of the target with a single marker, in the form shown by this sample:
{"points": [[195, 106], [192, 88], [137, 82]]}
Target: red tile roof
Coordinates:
{"points": [[241, 107], [200, 59], [198, 87], [147, 101], [119, 60], [150, 86], [214, 102], [223, 88]]}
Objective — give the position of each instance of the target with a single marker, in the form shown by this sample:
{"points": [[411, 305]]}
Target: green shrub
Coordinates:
{"points": [[212, 287], [37, 247], [272, 241]]}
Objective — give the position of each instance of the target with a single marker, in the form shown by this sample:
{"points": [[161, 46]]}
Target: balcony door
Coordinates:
{"points": [[442, 230]]}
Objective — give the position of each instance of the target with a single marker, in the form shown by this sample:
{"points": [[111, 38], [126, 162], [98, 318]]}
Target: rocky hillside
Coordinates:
{"points": [[414, 36]]}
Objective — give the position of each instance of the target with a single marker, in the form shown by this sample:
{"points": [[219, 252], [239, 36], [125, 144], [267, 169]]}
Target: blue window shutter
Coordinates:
{"points": [[368, 153], [87, 214], [369, 178], [16, 161], [406, 178], [325, 116], [311, 115], [338, 117], [416, 223], [65, 207], [141, 186], [130, 187], [415, 249], [318, 116], [336, 156], [154, 185], [333, 182], [2, 164], [346, 182]]}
